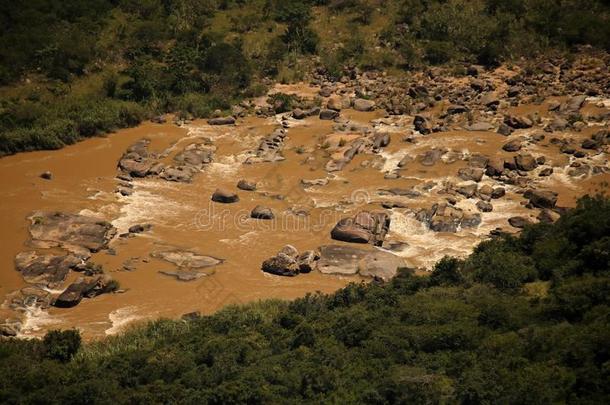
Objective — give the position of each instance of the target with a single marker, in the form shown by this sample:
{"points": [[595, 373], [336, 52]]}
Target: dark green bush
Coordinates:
{"points": [[61, 345]]}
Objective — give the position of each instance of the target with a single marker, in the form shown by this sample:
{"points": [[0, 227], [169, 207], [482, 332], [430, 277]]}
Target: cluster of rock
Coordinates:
{"points": [[445, 217], [289, 262], [225, 196], [483, 93], [138, 161], [334, 259], [61, 243], [270, 148]]}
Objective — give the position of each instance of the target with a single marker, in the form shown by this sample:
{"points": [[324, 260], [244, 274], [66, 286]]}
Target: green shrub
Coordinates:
{"points": [[61, 345], [495, 263]]}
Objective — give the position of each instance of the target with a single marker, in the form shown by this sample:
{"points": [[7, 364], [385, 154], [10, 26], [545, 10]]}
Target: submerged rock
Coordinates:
{"points": [[184, 274], [186, 258]]}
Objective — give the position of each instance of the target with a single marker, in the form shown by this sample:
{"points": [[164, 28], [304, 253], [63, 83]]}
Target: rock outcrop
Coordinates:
{"points": [[364, 227]]}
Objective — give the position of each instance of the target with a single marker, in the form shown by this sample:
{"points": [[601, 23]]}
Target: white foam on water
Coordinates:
{"points": [[426, 247], [148, 204], [122, 317], [560, 179], [225, 165], [35, 319], [242, 239], [604, 101], [391, 160], [90, 213]]}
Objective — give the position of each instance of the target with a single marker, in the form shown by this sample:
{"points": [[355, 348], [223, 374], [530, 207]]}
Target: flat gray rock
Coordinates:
{"points": [[347, 260], [61, 228]]}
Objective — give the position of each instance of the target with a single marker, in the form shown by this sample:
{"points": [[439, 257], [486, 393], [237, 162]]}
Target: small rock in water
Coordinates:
{"points": [[224, 196], [260, 212], [519, 222], [47, 175], [246, 185], [139, 228], [222, 121], [484, 206]]}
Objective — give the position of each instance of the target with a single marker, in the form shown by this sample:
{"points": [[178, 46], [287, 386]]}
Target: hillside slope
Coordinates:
{"points": [[76, 69]]}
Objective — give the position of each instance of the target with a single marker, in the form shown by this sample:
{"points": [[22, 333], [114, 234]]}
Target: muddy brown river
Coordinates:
{"points": [[183, 216]]}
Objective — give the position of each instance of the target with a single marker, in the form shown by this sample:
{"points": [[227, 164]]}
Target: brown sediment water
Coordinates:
{"points": [[183, 216]]}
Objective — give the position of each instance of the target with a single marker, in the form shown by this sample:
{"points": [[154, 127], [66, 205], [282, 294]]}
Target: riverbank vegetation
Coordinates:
{"points": [[75, 69], [521, 320]]}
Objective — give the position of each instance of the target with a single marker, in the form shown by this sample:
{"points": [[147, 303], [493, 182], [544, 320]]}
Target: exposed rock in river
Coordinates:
{"points": [[365, 227]]}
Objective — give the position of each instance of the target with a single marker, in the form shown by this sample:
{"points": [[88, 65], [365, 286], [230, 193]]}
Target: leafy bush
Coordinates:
{"points": [[61, 345]]}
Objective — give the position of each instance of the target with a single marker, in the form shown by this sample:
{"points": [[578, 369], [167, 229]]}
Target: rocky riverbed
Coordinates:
{"points": [[360, 177]]}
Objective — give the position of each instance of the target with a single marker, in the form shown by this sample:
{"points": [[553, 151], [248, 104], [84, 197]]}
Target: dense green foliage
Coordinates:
{"points": [[522, 320], [118, 61]]}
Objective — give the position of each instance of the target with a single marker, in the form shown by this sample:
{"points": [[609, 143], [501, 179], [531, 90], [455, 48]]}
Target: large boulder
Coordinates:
{"points": [[519, 222], [136, 161], [422, 125], [281, 265], [541, 198], [328, 114], [365, 227], [512, 146], [179, 174], [431, 157], [525, 162], [495, 167], [471, 173], [341, 260], [348, 260], [361, 104], [45, 268], [518, 122], [84, 287], [380, 265], [575, 103], [456, 109], [307, 261], [222, 121], [59, 229]]}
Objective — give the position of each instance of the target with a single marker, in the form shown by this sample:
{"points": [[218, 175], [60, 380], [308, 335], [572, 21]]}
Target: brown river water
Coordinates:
{"points": [[183, 215]]}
